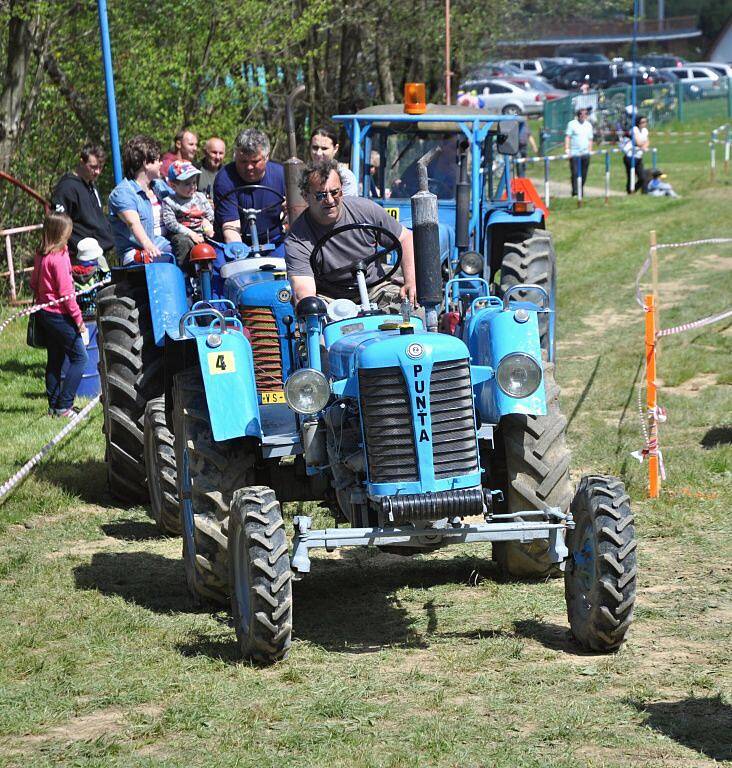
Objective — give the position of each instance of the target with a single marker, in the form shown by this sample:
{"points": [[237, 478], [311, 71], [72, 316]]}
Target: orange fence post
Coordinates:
{"points": [[650, 312]]}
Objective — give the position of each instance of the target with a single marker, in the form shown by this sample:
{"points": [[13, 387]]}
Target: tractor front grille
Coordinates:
{"points": [[454, 445], [264, 337], [387, 424]]}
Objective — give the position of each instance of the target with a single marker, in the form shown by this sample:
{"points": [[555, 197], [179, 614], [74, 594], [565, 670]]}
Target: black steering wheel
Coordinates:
{"points": [[280, 236], [379, 253]]}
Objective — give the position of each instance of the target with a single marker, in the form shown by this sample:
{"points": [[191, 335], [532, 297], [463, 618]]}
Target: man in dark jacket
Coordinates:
{"points": [[76, 195]]}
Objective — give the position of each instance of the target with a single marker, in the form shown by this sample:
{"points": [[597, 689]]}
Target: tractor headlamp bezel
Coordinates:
{"points": [[307, 391], [471, 263], [528, 368]]}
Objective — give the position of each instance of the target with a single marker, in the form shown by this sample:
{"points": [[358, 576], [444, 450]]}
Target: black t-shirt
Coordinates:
{"points": [[81, 202]]}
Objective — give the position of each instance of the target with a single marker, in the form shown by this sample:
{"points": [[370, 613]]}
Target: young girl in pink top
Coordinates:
{"points": [[63, 326]]}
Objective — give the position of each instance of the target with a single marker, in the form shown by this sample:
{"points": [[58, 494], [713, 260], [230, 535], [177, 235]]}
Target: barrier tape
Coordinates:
{"points": [[30, 310], [542, 158], [650, 447], [24, 471], [694, 324]]}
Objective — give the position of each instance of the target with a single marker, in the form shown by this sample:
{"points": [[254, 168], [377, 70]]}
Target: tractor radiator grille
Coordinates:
{"points": [[387, 423], [262, 327], [454, 445]]}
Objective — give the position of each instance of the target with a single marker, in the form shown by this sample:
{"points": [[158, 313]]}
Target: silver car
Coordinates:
{"points": [[698, 81], [500, 96]]}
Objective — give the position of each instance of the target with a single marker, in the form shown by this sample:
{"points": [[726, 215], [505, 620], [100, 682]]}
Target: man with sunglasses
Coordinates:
{"points": [[251, 166], [322, 187]]}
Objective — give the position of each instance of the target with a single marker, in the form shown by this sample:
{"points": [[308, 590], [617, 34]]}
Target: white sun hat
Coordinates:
{"points": [[88, 249]]}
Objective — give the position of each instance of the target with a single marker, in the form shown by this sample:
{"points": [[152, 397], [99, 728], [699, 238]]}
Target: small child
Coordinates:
{"points": [[187, 214], [659, 187]]}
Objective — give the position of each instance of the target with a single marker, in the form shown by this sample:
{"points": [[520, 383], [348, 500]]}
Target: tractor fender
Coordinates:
{"points": [[166, 289], [500, 216], [228, 380], [492, 334]]}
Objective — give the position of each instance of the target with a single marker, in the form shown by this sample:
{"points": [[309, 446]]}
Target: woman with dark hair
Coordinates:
{"points": [[63, 331], [324, 146], [636, 147], [134, 204]]}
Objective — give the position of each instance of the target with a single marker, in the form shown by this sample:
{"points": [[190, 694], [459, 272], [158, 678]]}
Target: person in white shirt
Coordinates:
{"points": [[578, 145], [636, 146]]}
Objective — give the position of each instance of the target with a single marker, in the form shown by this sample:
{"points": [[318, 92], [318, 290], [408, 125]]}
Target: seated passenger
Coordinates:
{"points": [[441, 174], [322, 187], [187, 214]]}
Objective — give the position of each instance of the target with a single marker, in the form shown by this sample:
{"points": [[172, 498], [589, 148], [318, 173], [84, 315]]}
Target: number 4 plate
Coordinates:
{"points": [[277, 396], [221, 362]]}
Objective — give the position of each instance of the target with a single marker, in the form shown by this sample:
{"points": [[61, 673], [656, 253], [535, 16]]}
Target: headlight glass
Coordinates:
{"points": [[471, 263], [307, 391], [518, 375]]}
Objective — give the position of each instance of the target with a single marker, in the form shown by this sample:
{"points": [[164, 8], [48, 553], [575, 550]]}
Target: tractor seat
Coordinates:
{"points": [[253, 265]]}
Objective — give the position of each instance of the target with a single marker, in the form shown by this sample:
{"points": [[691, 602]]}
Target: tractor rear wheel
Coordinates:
{"points": [[529, 257], [259, 575], [160, 468], [534, 452], [600, 577], [208, 474], [131, 373]]}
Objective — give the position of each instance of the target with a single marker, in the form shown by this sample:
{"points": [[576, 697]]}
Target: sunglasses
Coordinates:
{"points": [[334, 193]]}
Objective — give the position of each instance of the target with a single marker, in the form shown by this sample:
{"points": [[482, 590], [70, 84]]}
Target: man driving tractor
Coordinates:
{"points": [[327, 275]]}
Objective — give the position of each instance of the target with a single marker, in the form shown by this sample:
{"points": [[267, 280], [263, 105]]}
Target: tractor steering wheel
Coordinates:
{"points": [[366, 261], [247, 212]]}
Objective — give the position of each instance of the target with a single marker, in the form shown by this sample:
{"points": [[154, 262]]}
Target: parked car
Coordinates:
{"points": [[661, 60], [723, 70], [698, 81], [530, 82], [492, 69], [529, 66], [501, 96], [596, 74], [590, 58]]}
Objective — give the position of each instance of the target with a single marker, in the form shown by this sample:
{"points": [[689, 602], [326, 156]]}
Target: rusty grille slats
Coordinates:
{"points": [[262, 327]]}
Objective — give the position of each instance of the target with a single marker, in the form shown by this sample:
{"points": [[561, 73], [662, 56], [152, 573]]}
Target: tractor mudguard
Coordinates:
{"points": [[166, 289], [228, 379], [501, 216], [492, 334]]}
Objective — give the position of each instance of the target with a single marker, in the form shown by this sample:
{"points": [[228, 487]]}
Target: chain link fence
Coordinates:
{"points": [[661, 103]]}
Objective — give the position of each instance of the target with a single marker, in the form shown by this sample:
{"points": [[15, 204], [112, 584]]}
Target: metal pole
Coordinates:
{"points": [[726, 151], [712, 160], [607, 176], [580, 190], [654, 158], [546, 182], [448, 73], [634, 94], [109, 88], [11, 269]]}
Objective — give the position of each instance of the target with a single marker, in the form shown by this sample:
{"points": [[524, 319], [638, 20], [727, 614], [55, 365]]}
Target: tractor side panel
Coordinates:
{"points": [[492, 334], [166, 289], [228, 378]]}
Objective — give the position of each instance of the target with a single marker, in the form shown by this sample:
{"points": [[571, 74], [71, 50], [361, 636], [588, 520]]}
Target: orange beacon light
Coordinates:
{"points": [[415, 101]]}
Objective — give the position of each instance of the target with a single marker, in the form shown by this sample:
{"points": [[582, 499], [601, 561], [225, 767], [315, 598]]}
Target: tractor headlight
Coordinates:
{"points": [[518, 375], [307, 391], [471, 263]]}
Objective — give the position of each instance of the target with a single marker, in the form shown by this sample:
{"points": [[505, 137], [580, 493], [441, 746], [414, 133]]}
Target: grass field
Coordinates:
{"points": [[431, 661]]}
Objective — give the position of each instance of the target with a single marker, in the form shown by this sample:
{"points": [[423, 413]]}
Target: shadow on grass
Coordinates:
{"points": [[717, 436], [133, 530], [585, 392], [86, 479], [149, 580], [701, 724], [552, 636], [37, 370]]}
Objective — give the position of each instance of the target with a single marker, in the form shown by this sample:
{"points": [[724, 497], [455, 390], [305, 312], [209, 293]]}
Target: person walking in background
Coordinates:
{"points": [[64, 332], [214, 152], [76, 195], [578, 145], [636, 146], [185, 146], [526, 140], [324, 146]]}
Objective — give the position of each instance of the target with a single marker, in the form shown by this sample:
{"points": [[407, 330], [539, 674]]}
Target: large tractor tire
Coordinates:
{"points": [[600, 577], [529, 257], [208, 474], [160, 469], [260, 575], [536, 461], [131, 373]]}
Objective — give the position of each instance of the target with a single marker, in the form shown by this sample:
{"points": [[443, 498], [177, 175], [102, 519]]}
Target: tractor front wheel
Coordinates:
{"points": [[600, 576], [160, 468], [259, 575], [208, 474]]}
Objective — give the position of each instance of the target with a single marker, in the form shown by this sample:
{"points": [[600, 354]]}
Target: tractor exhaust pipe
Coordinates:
{"points": [[426, 234], [293, 166], [462, 203]]}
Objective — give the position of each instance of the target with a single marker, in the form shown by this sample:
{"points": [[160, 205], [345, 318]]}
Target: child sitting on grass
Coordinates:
{"points": [[187, 214], [659, 187]]}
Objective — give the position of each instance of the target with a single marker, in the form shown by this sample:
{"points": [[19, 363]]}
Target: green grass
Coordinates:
{"points": [[430, 661]]}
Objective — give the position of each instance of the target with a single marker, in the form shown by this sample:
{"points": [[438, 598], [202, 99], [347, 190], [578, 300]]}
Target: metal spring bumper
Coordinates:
{"points": [[553, 526]]}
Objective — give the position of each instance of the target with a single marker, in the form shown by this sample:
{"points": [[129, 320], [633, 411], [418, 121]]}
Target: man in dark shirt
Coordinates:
{"points": [[251, 166], [76, 195], [327, 209]]}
